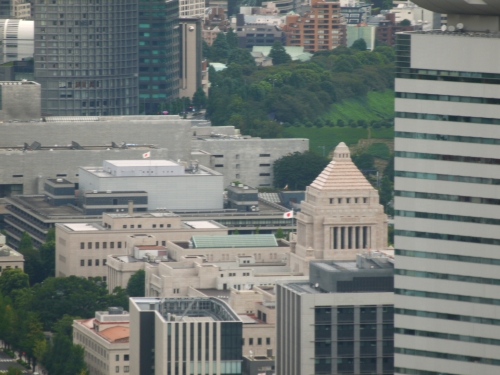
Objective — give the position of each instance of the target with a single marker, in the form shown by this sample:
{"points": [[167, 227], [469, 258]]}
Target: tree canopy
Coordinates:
{"points": [[360, 45], [136, 284], [298, 170], [278, 54]]}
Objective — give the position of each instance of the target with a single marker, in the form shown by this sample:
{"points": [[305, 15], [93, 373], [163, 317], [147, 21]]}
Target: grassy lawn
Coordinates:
{"points": [[376, 106], [331, 137]]}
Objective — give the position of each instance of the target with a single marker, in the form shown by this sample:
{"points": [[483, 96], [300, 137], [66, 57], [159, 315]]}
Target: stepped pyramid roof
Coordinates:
{"points": [[341, 173]]}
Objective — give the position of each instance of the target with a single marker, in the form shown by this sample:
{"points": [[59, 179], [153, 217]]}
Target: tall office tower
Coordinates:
{"points": [[158, 54], [192, 8], [191, 55], [340, 321], [86, 57], [447, 170], [196, 335]]}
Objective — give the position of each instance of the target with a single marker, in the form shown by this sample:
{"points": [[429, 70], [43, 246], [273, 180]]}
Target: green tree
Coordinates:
{"points": [[360, 45], [32, 262], [220, 48], [48, 258], [386, 194], [13, 279], [232, 39], [26, 243], [279, 233], [11, 370], [199, 99], [136, 284], [298, 170], [241, 56], [364, 162], [405, 22], [278, 54], [51, 235], [206, 50], [389, 169]]}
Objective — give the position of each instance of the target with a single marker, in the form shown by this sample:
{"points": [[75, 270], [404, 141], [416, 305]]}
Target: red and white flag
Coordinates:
{"points": [[146, 155], [288, 215]]}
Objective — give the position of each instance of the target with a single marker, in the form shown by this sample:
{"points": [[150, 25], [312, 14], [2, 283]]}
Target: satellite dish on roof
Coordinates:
{"points": [[451, 28], [460, 26], [443, 28]]}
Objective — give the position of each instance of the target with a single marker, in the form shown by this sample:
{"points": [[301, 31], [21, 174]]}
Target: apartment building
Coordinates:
{"points": [[322, 28], [446, 193], [105, 339]]}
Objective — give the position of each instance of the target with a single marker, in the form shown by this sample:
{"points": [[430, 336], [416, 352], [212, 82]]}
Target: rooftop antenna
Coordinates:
{"points": [[443, 28], [460, 26]]}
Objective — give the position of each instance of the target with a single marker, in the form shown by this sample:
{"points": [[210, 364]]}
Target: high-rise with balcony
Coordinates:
{"points": [[447, 168], [86, 57], [158, 54], [322, 28]]}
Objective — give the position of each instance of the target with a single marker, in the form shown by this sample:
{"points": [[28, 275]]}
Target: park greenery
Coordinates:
{"points": [[265, 101], [136, 284]]}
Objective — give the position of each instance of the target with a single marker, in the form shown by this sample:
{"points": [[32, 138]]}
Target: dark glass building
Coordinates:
{"points": [[158, 53], [86, 57]]}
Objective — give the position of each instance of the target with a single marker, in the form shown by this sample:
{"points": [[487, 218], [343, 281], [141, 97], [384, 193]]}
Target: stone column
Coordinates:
{"points": [[342, 238], [353, 237], [369, 236], [359, 237]]}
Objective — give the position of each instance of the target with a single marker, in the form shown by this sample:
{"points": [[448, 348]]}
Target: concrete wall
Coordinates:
{"points": [[19, 101], [241, 157]]}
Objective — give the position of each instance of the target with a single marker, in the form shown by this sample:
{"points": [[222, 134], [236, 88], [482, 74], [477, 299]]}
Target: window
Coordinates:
{"points": [[154, 225], [259, 341], [119, 245], [219, 165], [139, 226], [264, 174], [250, 341], [89, 245], [331, 200], [265, 155], [104, 262], [268, 341], [348, 200], [126, 368], [97, 262], [169, 225], [355, 200], [111, 245], [97, 245], [82, 245], [117, 369], [89, 262], [163, 243], [365, 200], [125, 357], [218, 156], [161, 225], [117, 357], [264, 165], [339, 200], [176, 290], [132, 226], [82, 263], [124, 227], [104, 245]]}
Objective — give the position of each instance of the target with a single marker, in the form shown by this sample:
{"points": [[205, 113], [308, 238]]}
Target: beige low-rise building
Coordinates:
{"points": [[82, 248], [105, 339], [9, 258], [340, 217]]}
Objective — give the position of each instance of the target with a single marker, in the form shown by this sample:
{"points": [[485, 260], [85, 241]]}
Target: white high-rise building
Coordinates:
{"points": [[447, 215]]}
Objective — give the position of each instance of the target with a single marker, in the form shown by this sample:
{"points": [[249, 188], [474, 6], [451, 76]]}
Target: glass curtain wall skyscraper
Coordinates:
{"points": [[447, 215], [158, 54], [86, 56]]}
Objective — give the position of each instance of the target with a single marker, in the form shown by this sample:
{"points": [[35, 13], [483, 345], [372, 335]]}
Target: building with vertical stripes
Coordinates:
{"points": [[447, 216], [182, 336], [340, 216]]}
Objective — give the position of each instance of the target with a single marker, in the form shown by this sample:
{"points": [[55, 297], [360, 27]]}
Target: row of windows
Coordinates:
{"points": [[447, 177], [410, 371], [447, 336], [446, 137], [348, 200], [445, 276], [452, 257], [89, 262], [462, 159], [446, 197], [154, 226], [453, 357], [455, 317], [434, 216], [447, 98], [435, 117], [259, 341], [446, 75], [104, 245], [446, 296], [447, 237]]}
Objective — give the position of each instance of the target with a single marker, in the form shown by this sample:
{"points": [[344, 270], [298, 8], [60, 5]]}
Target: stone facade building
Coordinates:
{"points": [[340, 216]]}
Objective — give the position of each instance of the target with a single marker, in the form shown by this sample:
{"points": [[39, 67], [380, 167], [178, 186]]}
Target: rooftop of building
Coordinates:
{"points": [[232, 241], [119, 333], [453, 31], [341, 173], [36, 146], [241, 188], [480, 7], [201, 224], [183, 309], [18, 83], [39, 206], [6, 251]]}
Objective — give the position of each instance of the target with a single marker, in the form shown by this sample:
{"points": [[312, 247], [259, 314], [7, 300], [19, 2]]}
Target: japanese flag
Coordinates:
{"points": [[288, 215], [146, 155]]}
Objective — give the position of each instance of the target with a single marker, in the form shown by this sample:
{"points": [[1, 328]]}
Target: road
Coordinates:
{"points": [[6, 362]]}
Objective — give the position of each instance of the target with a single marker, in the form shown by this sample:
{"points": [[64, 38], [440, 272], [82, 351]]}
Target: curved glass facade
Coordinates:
{"points": [[86, 57]]}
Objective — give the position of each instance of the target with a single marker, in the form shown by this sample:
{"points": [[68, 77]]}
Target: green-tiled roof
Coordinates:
{"points": [[240, 240]]}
